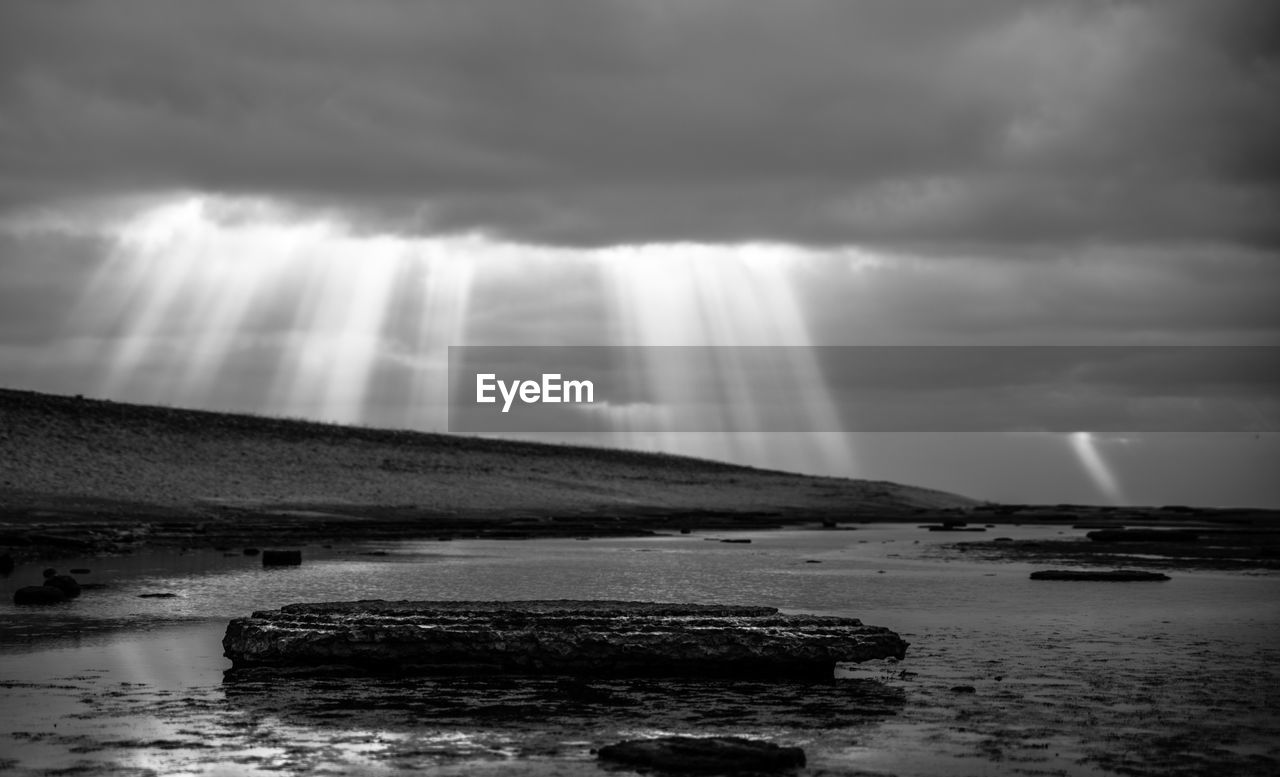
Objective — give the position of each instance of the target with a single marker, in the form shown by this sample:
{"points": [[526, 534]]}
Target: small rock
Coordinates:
{"points": [[38, 594], [737, 541], [163, 595], [66, 584], [705, 755], [48, 573], [963, 689], [281, 558]]}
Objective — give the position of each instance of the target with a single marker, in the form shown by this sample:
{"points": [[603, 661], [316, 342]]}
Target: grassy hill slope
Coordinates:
{"points": [[105, 458]]}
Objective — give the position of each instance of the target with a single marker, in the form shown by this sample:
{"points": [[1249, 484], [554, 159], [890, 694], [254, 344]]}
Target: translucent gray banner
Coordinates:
{"points": [[864, 389]]}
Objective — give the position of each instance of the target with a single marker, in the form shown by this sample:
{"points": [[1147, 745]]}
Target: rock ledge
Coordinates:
{"points": [[1114, 576], [553, 637]]}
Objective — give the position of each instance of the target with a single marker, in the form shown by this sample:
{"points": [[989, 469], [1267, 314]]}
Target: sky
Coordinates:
{"points": [[295, 207]]}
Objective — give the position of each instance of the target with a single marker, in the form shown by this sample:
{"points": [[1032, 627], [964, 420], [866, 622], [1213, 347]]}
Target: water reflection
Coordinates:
{"points": [[561, 704], [430, 721]]}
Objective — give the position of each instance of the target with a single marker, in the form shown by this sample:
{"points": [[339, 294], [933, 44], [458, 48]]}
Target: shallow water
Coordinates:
{"points": [[1068, 678]]}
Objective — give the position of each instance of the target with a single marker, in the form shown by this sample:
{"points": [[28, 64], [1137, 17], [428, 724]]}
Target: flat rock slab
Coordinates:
{"points": [[704, 755], [1144, 535], [1115, 576], [609, 638]]}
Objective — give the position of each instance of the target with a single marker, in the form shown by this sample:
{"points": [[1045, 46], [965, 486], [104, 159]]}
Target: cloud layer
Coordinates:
{"points": [[611, 121]]}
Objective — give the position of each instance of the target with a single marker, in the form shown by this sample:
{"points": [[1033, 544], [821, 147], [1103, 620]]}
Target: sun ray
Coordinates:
{"points": [[250, 306], [190, 282], [699, 295], [1104, 479], [441, 322]]}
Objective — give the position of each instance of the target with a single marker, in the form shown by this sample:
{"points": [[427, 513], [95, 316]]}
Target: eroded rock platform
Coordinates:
{"points": [[605, 638]]}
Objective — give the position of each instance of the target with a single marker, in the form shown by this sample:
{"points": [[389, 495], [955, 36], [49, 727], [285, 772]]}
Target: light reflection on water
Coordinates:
{"points": [[137, 683]]}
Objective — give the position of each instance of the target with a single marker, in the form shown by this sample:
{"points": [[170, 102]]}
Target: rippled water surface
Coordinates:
{"points": [[1004, 676]]}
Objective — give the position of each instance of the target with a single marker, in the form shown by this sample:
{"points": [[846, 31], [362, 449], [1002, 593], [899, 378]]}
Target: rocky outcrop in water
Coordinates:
{"points": [[281, 558], [608, 638], [38, 594], [1108, 575], [1144, 535]]}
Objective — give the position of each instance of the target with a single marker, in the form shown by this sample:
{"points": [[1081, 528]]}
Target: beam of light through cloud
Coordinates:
{"points": [[202, 294], [1104, 479], [335, 335], [441, 322], [196, 288], [743, 296], [157, 255]]}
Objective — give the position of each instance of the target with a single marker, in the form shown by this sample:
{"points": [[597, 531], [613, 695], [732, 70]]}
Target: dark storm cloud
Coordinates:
{"points": [[596, 121]]}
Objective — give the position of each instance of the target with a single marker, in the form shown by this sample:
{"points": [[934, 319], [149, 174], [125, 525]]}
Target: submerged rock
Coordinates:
{"points": [[38, 594], [555, 637], [1113, 575], [704, 755]]}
